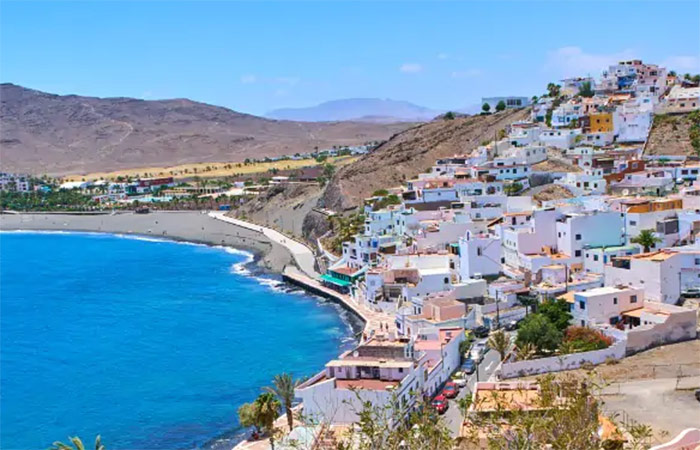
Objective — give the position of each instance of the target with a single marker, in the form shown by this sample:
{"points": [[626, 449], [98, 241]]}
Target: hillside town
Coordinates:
{"points": [[560, 242]]}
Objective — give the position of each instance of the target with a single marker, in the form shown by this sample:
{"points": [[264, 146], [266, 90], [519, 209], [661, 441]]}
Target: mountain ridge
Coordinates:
{"points": [[71, 134]]}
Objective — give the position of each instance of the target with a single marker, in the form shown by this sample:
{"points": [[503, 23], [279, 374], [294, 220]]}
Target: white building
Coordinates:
{"points": [[663, 275], [479, 255]]}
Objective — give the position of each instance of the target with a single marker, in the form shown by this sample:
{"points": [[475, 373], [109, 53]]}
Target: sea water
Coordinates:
{"points": [[152, 344]]}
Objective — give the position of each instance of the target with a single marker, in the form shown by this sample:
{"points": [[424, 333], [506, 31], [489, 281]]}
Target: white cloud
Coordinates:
{"points": [[682, 64], [442, 56], [468, 73], [248, 79], [410, 68], [290, 81], [573, 61]]}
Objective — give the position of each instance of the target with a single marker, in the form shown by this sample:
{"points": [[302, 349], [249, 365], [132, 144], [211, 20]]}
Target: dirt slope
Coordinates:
{"points": [[411, 152], [70, 134], [670, 135]]}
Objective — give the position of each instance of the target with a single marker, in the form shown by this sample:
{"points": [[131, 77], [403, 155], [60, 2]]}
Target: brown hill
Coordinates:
{"points": [[411, 152], [68, 134], [670, 135]]}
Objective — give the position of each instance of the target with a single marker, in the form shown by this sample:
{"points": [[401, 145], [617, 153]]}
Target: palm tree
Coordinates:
{"points": [[500, 342], [268, 410], [77, 444], [647, 239], [283, 387], [526, 351]]}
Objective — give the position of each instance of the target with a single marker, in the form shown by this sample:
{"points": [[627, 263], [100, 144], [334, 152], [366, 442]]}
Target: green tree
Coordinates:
{"points": [[77, 444], [553, 90], [586, 89], [513, 188], [528, 301], [248, 416], [486, 108], [540, 332], [647, 239], [501, 106], [557, 311], [283, 387], [449, 115], [499, 341], [268, 408]]}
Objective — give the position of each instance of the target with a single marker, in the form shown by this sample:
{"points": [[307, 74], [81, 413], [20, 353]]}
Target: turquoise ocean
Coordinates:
{"points": [[152, 344]]}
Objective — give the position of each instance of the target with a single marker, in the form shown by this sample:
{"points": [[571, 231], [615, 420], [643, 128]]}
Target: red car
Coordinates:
{"points": [[440, 404], [451, 390]]}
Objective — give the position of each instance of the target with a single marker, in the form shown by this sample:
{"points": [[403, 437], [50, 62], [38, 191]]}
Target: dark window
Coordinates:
{"points": [[582, 305], [633, 299], [578, 237], [577, 253], [595, 257], [614, 300]]}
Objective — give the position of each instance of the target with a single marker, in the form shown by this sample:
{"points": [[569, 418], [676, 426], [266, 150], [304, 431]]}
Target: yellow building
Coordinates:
{"points": [[601, 123]]}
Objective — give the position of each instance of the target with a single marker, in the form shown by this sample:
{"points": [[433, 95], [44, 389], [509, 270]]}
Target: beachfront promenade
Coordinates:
{"points": [[302, 254], [306, 276]]}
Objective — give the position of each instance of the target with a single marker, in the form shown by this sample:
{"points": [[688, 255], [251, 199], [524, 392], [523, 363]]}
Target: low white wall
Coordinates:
{"points": [[566, 362]]}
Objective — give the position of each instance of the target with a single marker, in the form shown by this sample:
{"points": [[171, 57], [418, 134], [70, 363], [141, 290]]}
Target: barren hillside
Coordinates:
{"points": [[69, 134], [411, 152], [670, 135]]}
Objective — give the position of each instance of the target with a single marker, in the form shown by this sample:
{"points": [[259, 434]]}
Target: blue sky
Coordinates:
{"points": [[256, 56]]}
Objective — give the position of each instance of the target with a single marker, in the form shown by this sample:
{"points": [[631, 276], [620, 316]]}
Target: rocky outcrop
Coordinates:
{"points": [[409, 153]]}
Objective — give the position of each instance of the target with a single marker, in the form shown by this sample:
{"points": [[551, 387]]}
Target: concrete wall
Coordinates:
{"points": [[680, 325], [565, 362]]}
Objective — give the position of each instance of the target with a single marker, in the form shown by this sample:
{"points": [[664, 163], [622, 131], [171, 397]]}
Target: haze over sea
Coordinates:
{"points": [[151, 344]]}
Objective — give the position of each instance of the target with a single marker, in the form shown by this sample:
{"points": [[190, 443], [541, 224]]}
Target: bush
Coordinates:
{"points": [[584, 339]]}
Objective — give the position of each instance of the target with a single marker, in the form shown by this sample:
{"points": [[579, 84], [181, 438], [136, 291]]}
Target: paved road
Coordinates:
{"points": [[453, 416], [302, 254]]}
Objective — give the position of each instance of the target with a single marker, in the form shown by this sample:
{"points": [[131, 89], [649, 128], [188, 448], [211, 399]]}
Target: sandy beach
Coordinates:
{"points": [[191, 226]]}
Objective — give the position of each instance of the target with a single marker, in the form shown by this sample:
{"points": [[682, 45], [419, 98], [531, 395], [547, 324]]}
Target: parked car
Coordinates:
{"points": [[460, 379], [484, 345], [481, 332], [450, 390], [477, 354], [440, 404], [512, 325], [469, 366]]}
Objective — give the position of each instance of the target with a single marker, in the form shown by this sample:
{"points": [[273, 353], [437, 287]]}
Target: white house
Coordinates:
{"points": [[663, 274], [479, 255]]}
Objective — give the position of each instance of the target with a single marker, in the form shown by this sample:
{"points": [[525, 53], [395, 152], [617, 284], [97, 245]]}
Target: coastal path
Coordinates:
{"points": [[302, 254]]}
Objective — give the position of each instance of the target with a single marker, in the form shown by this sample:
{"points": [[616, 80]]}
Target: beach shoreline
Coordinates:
{"points": [[180, 226]]}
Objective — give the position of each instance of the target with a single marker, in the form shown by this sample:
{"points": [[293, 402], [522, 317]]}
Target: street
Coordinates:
{"points": [[453, 416]]}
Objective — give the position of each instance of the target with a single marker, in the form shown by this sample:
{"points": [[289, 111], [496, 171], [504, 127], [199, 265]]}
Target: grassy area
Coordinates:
{"points": [[211, 170]]}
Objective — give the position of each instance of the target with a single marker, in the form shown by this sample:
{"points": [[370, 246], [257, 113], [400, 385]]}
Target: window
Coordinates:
{"points": [[478, 251], [447, 280], [614, 300], [633, 223], [582, 304], [697, 261], [577, 253], [633, 299], [595, 257], [578, 237], [400, 369]]}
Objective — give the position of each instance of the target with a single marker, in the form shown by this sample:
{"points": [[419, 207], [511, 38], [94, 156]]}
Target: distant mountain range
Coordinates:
{"points": [[69, 134], [363, 109]]}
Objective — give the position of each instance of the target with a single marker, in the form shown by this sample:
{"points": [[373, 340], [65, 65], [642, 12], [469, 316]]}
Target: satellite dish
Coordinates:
{"points": [[625, 192]]}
